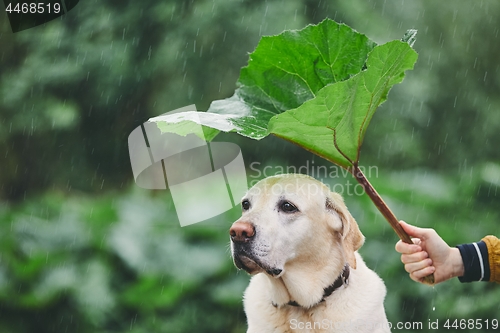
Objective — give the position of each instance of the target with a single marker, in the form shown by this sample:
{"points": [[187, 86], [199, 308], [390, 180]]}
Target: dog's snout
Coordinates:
{"points": [[241, 231], [274, 271]]}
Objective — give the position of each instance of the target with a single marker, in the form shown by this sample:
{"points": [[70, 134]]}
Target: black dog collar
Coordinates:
{"points": [[341, 280]]}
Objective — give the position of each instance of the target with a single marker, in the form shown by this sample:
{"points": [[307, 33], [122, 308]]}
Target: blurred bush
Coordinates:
{"points": [[115, 263]]}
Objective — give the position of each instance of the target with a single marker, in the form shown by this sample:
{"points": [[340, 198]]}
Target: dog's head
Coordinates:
{"points": [[292, 219]]}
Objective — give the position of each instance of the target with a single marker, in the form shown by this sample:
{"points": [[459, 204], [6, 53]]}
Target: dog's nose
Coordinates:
{"points": [[241, 231]]}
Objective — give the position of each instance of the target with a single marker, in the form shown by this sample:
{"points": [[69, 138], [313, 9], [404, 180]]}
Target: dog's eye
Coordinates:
{"points": [[245, 204], [288, 207]]}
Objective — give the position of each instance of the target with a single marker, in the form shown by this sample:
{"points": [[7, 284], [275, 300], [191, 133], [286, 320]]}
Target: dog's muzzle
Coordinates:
{"points": [[242, 237]]}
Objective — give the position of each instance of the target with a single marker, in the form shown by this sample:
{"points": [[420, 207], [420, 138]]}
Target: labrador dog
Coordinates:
{"points": [[299, 242]]}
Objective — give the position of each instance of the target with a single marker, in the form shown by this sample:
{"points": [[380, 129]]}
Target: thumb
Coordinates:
{"points": [[413, 231]]}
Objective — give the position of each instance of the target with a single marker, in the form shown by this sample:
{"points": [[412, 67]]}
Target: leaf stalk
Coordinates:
{"points": [[385, 210]]}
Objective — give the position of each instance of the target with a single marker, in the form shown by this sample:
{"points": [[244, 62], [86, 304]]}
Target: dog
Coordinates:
{"points": [[299, 242]]}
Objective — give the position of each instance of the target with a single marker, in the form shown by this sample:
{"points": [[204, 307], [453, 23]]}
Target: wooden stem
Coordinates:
{"points": [[385, 210]]}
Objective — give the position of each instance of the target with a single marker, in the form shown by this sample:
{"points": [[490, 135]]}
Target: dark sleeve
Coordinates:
{"points": [[476, 264]]}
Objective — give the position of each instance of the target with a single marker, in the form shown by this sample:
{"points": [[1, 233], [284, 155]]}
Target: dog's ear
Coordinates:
{"points": [[352, 238]]}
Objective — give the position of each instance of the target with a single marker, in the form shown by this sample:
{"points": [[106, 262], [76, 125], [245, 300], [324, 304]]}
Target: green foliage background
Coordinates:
{"points": [[82, 249]]}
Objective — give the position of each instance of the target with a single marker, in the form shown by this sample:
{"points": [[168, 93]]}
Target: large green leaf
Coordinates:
{"points": [[333, 124], [317, 87], [283, 72]]}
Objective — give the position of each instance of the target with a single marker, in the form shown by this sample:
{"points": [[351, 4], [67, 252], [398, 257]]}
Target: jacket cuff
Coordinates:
{"points": [[476, 263], [494, 257]]}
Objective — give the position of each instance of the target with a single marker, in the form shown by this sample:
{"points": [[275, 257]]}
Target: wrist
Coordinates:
{"points": [[456, 262]]}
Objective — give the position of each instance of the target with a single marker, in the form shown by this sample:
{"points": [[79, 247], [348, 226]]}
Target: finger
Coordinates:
{"points": [[417, 266], [414, 257], [420, 274], [415, 231], [415, 279], [403, 247], [417, 241]]}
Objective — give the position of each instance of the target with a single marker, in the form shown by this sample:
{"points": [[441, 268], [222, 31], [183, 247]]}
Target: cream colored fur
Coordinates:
{"points": [[310, 247]]}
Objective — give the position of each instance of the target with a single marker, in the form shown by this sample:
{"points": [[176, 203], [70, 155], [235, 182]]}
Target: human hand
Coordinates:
{"points": [[429, 254]]}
